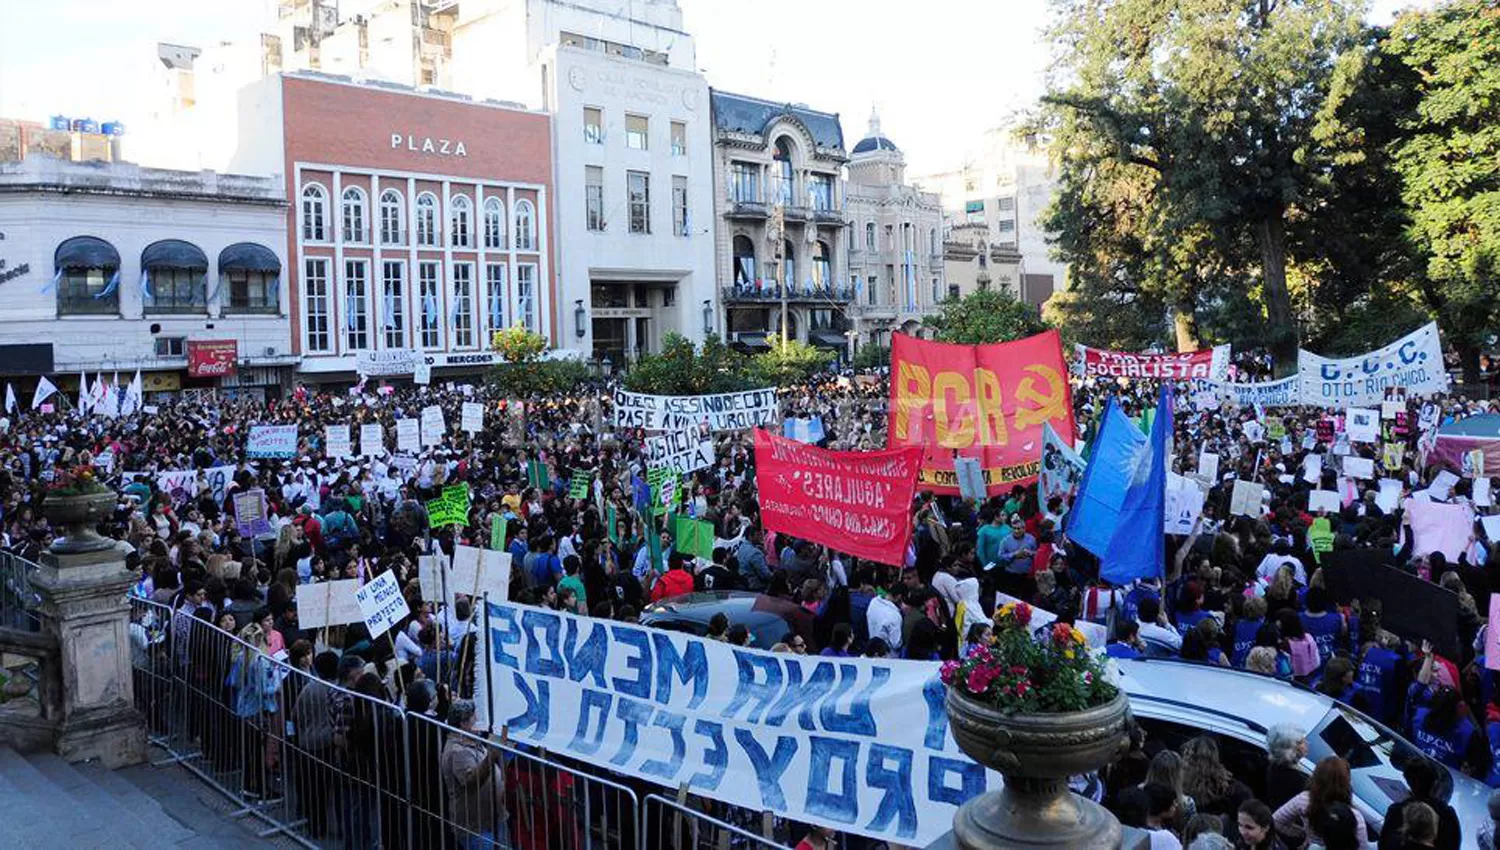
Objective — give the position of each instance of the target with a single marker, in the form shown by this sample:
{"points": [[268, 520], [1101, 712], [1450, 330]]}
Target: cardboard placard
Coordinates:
{"points": [[381, 603], [328, 603]]}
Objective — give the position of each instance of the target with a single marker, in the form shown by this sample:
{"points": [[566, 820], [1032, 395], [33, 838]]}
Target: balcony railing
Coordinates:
{"points": [[791, 213], [747, 210], [830, 216], [771, 293]]}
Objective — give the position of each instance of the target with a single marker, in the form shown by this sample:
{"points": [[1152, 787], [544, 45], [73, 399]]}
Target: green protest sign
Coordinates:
{"points": [[451, 508], [497, 532], [694, 537], [537, 475], [579, 489]]}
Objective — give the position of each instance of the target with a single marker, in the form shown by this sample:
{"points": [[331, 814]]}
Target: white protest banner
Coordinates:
{"points": [[1388, 498], [1362, 424], [371, 439], [1492, 531], [1324, 500], [218, 478], [861, 745], [336, 441], [724, 412], [387, 362], [271, 441], [476, 572], [328, 603], [180, 484], [421, 374], [431, 576], [1312, 469], [1245, 500], [250, 513], [433, 426], [1282, 393], [1208, 466], [1061, 470], [683, 451], [1439, 527], [472, 417], [1389, 409], [407, 436], [1443, 484], [1413, 362], [1184, 505], [1359, 467], [1482, 496], [381, 604]]}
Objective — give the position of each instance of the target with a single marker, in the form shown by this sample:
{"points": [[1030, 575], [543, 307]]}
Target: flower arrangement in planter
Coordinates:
{"points": [[81, 479], [1023, 675]]}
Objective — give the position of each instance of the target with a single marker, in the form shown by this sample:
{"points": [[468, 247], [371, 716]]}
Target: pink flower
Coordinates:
{"points": [[947, 670], [977, 681]]}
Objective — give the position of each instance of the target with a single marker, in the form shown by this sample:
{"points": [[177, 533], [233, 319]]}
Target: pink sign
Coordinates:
{"points": [[47, 408], [1492, 635]]}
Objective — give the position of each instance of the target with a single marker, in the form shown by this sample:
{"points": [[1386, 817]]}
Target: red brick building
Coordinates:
{"points": [[418, 225]]}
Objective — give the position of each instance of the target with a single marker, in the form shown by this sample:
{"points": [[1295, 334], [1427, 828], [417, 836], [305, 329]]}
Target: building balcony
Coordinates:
{"points": [[747, 211], [771, 294], [790, 213], [830, 217]]}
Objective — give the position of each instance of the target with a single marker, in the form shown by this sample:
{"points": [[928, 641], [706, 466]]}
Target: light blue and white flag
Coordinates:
{"points": [[808, 430]]}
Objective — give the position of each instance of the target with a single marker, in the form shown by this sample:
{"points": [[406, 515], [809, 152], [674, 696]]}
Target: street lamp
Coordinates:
{"points": [[708, 317], [579, 317]]}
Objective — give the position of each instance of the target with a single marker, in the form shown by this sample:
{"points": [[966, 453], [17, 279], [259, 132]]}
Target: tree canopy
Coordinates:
{"points": [[983, 316]]}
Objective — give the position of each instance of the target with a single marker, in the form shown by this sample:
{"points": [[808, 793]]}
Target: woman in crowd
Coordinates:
{"points": [[1299, 819]]}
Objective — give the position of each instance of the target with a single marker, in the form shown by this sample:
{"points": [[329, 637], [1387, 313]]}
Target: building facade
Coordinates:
{"points": [[111, 268], [1007, 188], [634, 168], [780, 222], [419, 225], [971, 262], [895, 247]]}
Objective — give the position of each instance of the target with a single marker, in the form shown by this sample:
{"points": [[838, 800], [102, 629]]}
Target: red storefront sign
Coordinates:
{"points": [[211, 358]]}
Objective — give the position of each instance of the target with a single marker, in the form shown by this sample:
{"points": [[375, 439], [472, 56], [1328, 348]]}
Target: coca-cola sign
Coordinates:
{"points": [[211, 358]]}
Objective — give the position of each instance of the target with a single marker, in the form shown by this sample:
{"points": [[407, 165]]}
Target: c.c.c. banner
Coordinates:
{"points": [[982, 401], [857, 744]]}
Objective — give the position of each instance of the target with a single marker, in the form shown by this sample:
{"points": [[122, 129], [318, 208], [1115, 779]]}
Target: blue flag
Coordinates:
{"points": [[1096, 510], [1137, 550]]}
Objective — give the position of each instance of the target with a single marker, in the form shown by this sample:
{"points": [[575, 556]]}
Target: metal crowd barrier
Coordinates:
{"points": [[275, 741], [18, 602]]}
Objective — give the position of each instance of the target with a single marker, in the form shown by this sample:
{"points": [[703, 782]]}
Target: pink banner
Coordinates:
{"points": [[854, 502], [1439, 527], [1209, 364]]}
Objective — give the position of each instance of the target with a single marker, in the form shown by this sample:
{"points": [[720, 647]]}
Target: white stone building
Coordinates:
{"points": [[633, 168], [895, 244], [115, 268]]}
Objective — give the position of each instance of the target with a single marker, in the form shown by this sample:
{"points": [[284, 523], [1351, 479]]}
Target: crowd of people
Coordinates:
{"points": [[1245, 592]]}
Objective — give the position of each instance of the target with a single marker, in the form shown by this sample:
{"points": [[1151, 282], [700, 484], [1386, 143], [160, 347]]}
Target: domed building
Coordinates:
{"points": [[895, 242]]}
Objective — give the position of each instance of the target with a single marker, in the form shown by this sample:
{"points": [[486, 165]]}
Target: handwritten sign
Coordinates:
{"points": [[272, 441], [328, 603], [381, 603]]}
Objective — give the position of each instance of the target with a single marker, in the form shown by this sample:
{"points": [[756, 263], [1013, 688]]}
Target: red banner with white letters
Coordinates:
{"points": [[854, 502], [1209, 364], [987, 402]]}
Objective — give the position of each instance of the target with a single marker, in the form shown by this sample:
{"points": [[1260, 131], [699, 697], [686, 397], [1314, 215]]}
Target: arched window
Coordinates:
{"points": [[525, 226], [461, 222], [391, 215], [314, 213], [172, 278], [494, 223], [822, 269], [744, 263], [427, 219], [788, 265], [355, 215], [869, 236], [87, 275], [784, 170], [932, 243]]}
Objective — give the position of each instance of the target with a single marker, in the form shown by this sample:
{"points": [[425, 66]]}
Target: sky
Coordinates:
{"points": [[940, 72]]}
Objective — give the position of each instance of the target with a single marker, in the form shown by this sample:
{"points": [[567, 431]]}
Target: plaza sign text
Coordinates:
{"points": [[427, 144]]}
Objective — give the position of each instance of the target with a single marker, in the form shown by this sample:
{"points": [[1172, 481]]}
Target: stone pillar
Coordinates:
{"points": [[84, 606]]}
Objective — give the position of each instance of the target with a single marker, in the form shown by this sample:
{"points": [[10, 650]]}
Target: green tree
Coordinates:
{"points": [[872, 356], [983, 316], [790, 363], [683, 369], [1449, 164]]}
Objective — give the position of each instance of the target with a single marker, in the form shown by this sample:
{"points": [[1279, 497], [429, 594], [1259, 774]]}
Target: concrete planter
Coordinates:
{"points": [[78, 516], [1037, 753]]}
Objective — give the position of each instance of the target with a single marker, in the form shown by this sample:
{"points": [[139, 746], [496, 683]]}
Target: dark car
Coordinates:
{"points": [[767, 618]]}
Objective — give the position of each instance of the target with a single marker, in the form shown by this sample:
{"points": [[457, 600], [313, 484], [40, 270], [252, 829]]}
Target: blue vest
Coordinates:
{"points": [[1121, 650], [1493, 779], [1324, 629], [1447, 748], [1130, 606], [1187, 620], [1374, 678], [1244, 640]]}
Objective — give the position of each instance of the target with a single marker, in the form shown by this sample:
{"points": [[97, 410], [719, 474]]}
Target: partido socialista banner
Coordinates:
{"points": [[855, 502], [1210, 364], [987, 402]]}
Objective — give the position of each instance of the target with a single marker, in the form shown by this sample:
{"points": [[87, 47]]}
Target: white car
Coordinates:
{"points": [[1176, 700]]}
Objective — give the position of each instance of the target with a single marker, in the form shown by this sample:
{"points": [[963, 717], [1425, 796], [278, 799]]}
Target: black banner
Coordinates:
{"points": [[1410, 607]]}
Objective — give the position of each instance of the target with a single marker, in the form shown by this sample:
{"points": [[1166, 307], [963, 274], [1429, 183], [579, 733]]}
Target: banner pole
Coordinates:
{"points": [[489, 690]]}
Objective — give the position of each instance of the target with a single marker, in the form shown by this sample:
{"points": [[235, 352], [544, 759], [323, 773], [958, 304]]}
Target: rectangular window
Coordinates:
{"points": [[679, 138], [171, 346], [354, 218], [463, 305], [890, 237], [316, 305], [593, 197], [1006, 225], [356, 305], [975, 206], [593, 125], [393, 302], [745, 183], [637, 132], [638, 184], [390, 220], [953, 290], [820, 188], [526, 295], [1005, 204], [251, 292], [431, 307], [494, 291], [936, 291], [81, 292], [870, 236], [680, 222], [872, 287], [426, 220], [174, 291]]}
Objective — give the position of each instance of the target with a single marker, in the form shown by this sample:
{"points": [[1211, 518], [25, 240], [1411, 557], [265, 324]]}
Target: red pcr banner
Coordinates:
{"points": [[854, 502], [987, 402], [211, 358], [1210, 364]]}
